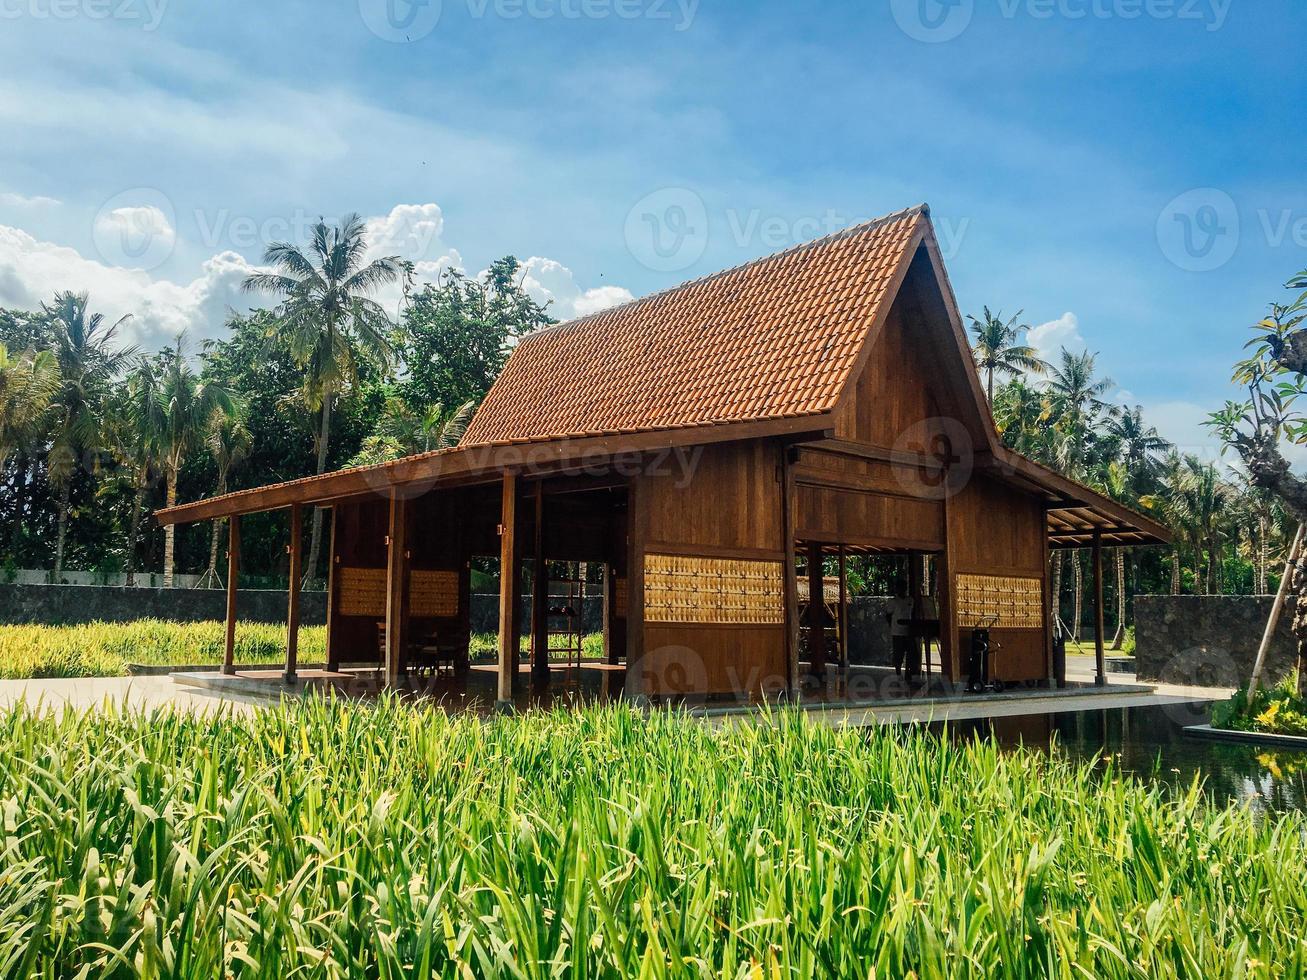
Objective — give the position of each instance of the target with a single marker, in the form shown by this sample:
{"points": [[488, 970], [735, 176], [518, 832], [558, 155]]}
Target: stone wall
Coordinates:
{"points": [[72, 604], [1208, 640]]}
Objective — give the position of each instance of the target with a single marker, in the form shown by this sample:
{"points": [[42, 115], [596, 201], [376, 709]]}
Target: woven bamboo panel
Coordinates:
{"points": [[681, 589], [1018, 602], [362, 591], [433, 594]]}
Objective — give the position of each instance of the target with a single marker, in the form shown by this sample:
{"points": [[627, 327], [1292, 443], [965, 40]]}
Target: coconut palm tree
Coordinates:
{"points": [[328, 321], [187, 406], [134, 423], [403, 431], [996, 348], [1137, 445], [28, 384], [229, 442], [88, 364]]}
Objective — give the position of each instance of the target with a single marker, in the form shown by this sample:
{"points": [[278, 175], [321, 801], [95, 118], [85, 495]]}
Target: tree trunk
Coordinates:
{"points": [[210, 577], [315, 539], [1175, 572], [989, 386], [1079, 585], [21, 471], [170, 533], [1262, 532], [133, 530], [1119, 638], [1299, 592], [65, 496]]}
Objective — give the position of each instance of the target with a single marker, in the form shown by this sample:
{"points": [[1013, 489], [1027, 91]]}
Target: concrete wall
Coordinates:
{"points": [[1208, 639]]}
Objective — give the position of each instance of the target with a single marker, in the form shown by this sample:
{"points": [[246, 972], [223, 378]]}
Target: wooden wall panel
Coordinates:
{"points": [[854, 517], [721, 660], [997, 530], [730, 502], [894, 392]]}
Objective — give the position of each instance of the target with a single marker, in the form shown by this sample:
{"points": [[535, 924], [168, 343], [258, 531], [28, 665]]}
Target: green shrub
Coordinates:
{"points": [[1277, 710], [105, 649], [322, 839]]}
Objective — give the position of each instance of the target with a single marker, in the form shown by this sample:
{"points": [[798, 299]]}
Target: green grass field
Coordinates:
{"points": [[105, 649], [327, 840]]}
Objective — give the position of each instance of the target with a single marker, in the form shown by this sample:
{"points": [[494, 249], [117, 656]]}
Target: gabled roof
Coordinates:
{"points": [[776, 338]]}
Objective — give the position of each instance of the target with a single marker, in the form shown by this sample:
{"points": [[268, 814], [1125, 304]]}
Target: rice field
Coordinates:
{"points": [[324, 839], [105, 649]]}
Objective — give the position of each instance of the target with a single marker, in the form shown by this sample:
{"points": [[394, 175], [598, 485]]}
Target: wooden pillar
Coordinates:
{"points": [[635, 544], [1100, 663], [919, 648], [790, 582], [539, 599], [233, 572], [816, 612], [844, 613], [508, 642], [333, 562], [293, 590], [396, 588]]}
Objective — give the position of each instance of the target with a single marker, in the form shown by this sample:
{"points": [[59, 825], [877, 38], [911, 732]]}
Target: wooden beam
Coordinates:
{"points": [[816, 613], [293, 591], [396, 588], [486, 463], [844, 614], [539, 599], [790, 583], [508, 644], [1100, 664], [233, 572]]}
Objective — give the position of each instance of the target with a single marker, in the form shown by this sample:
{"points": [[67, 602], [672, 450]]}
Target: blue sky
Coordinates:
{"points": [[1130, 172]]}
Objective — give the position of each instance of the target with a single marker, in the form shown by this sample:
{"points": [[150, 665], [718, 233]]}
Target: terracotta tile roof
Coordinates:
{"points": [[775, 338]]}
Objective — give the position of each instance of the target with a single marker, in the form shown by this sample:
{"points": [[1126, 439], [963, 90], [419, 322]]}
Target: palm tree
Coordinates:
{"points": [[28, 383], [230, 443], [328, 321], [1169, 503], [1137, 445], [134, 421], [996, 348], [87, 366], [402, 431], [187, 406]]}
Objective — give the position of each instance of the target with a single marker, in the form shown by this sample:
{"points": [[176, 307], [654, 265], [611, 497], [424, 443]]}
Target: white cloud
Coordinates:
{"points": [[12, 200], [32, 270], [551, 282], [1049, 338]]}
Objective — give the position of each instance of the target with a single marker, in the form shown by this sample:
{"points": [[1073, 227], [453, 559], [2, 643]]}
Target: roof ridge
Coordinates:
{"points": [[923, 209]]}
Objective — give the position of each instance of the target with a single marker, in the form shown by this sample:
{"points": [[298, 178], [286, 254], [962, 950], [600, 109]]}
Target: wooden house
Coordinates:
{"points": [[698, 444]]}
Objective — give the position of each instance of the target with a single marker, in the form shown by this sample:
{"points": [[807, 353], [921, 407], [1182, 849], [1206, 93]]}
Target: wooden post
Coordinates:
{"points": [[790, 583], [1276, 608], [635, 538], [293, 590], [610, 652], [333, 561], [539, 600], [508, 643], [396, 588], [844, 614], [816, 612], [1100, 663], [233, 571], [919, 654]]}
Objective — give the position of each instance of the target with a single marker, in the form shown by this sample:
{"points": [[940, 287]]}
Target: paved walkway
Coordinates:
{"points": [[161, 691]]}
